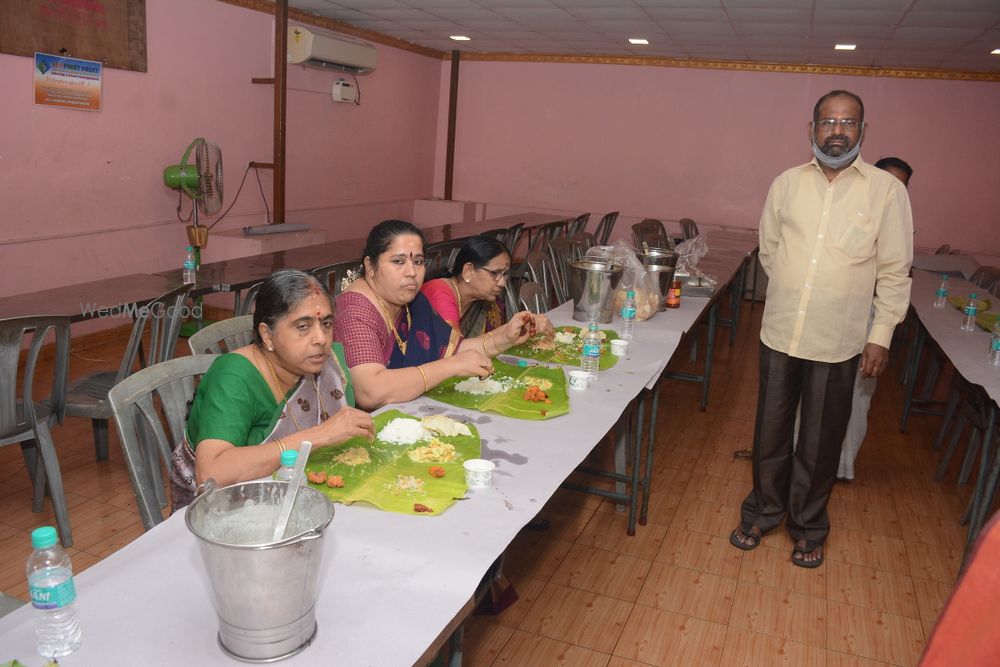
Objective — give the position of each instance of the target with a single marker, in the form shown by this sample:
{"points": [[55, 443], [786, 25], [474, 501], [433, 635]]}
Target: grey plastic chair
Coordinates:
{"points": [[513, 238], [985, 277], [579, 225], [603, 230], [532, 296], [245, 304], [224, 336], [541, 271], [26, 422], [88, 397], [585, 240], [562, 250], [509, 299], [545, 233], [500, 234], [137, 414], [653, 233], [439, 257], [689, 229], [339, 275]]}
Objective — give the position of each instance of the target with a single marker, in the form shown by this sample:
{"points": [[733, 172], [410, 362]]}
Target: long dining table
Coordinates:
{"points": [[384, 574], [966, 350], [409, 576], [414, 574], [967, 353], [234, 275], [83, 301]]}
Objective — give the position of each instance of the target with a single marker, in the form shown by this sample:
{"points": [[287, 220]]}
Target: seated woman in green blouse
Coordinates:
{"points": [[288, 386]]}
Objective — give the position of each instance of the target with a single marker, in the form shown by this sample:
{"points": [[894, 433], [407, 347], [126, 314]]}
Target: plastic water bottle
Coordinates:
{"points": [[994, 356], [628, 315], [941, 296], [287, 469], [190, 273], [590, 355], [969, 321], [53, 595]]}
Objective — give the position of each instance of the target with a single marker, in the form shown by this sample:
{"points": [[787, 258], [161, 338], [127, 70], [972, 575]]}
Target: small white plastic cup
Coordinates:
{"points": [[578, 380], [479, 473], [619, 347]]}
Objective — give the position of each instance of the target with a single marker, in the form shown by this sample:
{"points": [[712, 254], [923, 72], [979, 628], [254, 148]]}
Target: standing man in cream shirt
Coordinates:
{"points": [[833, 232]]}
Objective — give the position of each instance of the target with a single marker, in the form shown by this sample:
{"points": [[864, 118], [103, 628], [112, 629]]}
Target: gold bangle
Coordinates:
{"points": [[281, 446], [486, 338], [427, 386]]}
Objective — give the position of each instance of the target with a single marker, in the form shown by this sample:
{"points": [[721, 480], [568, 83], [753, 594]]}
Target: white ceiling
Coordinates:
{"points": [[923, 34]]}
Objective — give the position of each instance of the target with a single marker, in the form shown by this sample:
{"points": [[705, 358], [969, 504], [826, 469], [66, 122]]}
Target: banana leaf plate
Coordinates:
{"points": [[542, 348], [379, 481], [987, 320], [959, 302], [512, 402]]}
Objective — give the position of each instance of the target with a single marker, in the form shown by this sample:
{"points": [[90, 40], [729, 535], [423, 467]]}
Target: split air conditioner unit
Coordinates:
{"points": [[316, 49]]}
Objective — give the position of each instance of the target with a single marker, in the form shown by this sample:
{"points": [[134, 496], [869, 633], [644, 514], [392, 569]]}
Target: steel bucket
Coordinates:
{"points": [[657, 257], [264, 592], [592, 284], [663, 275]]}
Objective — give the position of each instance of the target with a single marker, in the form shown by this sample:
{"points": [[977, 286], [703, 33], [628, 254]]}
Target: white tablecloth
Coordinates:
{"points": [[390, 583], [965, 349]]}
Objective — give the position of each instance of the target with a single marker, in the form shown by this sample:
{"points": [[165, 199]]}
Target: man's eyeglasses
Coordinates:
{"points": [[844, 123], [498, 275]]}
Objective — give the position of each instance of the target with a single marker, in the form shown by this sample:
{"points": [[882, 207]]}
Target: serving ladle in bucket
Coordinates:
{"points": [[293, 489]]}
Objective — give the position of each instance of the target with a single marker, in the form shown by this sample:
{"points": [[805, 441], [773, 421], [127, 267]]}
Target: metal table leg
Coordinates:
{"points": [[636, 463], [982, 498], [911, 380], [623, 436], [713, 315], [737, 298], [650, 444]]}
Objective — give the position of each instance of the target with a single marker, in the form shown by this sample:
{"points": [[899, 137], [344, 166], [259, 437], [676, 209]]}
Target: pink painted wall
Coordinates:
{"points": [[673, 143], [82, 195]]}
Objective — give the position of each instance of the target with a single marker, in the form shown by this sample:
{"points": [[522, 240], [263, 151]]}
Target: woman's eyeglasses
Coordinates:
{"points": [[498, 275]]}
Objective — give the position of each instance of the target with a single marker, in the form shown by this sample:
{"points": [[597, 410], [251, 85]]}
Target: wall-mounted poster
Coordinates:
{"points": [[111, 31], [68, 82]]}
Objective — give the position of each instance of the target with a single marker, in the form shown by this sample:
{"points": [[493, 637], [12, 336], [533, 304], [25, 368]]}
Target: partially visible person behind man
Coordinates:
{"points": [[864, 387], [897, 168], [833, 232]]}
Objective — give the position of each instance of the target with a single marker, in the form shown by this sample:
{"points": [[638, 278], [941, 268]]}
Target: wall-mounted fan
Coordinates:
{"points": [[201, 180]]}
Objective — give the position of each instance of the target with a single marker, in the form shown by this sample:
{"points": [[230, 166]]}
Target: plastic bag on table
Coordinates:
{"points": [[634, 277], [689, 253]]}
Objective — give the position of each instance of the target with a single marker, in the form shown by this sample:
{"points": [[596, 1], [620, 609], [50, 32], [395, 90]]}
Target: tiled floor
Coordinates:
{"points": [[676, 593]]}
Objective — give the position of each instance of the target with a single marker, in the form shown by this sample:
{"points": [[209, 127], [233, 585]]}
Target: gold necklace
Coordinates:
{"points": [[458, 295], [280, 384], [388, 320]]}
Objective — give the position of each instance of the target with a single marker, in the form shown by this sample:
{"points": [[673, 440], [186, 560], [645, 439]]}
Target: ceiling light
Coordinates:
{"points": [[995, 52], [638, 40], [845, 47], [460, 38]]}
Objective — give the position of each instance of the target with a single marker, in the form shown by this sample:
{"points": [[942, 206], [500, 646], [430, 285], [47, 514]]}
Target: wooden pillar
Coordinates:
{"points": [[280, 96], [449, 164]]}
